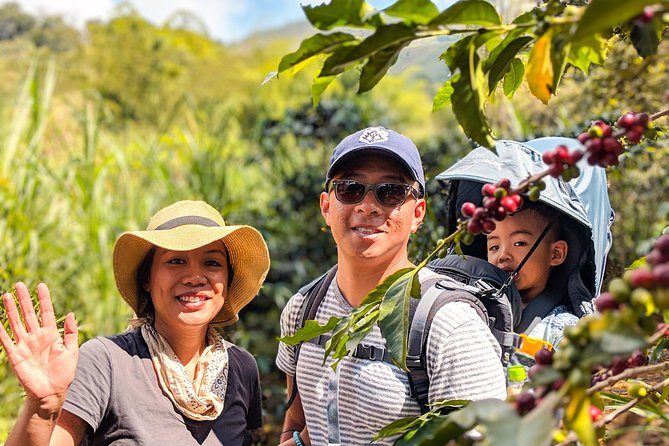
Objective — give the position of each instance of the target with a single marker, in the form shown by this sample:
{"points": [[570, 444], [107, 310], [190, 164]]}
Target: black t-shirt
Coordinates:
{"points": [[116, 392]]}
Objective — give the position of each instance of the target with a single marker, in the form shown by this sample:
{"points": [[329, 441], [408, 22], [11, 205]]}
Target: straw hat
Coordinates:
{"points": [[188, 225]]}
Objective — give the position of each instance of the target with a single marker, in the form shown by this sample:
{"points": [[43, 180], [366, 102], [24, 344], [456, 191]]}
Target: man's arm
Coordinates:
{"points": [[294, 419]]}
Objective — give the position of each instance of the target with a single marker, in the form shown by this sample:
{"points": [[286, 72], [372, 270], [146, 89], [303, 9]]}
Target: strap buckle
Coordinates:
{"points": [[530, 346], [364, 351]]}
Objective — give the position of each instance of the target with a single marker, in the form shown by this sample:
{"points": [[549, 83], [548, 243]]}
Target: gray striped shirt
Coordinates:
{"points": [[463, 363]]}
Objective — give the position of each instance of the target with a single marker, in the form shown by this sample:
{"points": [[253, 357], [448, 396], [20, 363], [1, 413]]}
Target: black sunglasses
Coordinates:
{"points": [[388, 194]]}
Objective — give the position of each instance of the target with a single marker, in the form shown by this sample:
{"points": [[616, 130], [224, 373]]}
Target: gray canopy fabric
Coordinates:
{"points": [[584, 200]]}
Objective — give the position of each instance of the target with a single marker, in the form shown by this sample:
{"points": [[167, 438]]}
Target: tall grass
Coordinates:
{"points": [[69, 187]]}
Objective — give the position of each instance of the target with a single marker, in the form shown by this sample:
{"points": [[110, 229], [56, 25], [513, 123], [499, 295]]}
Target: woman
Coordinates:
{"points": [[170, 380]]}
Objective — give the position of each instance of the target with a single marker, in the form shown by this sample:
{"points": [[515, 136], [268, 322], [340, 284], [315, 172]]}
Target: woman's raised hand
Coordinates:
{"points": [[43, 361]]}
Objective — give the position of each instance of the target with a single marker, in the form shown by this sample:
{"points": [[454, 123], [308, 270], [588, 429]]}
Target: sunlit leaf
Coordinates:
{"points": [[314, 45], [602, 15], [337, 13], [469, 12], [513, 79], [539, 72], [443, 96], [560, 47], [577, 417], [589, 50], [394, 315], [319, 86], [415, 11], [310, 330]]}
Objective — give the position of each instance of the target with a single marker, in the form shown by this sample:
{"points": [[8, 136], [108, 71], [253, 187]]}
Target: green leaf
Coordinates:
{"points": [[384, 37], [560, 47], [603, 15], [539, 72], [394, 315], [536, 426], [314, 45], [338, 13], [500, 422], [414, 11], [443, 96], [320, 84], [469, 12], [514, 77], [378, 293], [587, 51], [498, 47], [645, 39], [437, 431], [468, 99], [377, 66], [617, 342], [577, 417], [310, 330], [501, 62]]}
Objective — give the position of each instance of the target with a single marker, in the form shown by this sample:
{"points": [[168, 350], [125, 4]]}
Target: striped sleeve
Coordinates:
{"points": [[285, 358], [463, 356]]}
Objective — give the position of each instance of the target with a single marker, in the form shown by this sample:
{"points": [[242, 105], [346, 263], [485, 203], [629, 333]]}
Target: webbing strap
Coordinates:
{"points": [[313, 293], [361, 351], [534, 247]]}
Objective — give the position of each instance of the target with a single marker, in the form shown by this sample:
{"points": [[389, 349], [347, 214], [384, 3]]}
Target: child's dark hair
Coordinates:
{"points": [[547, 214]]}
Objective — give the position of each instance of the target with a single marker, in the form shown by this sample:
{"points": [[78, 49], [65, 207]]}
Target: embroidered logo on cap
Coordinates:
{"points": [[373, 135]]}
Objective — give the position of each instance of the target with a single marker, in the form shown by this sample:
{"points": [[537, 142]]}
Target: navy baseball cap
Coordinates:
{"points": [[382, 140]]}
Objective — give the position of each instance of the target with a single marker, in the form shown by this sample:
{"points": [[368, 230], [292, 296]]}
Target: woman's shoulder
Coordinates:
{"points": [[130, 342], [239, 353]]}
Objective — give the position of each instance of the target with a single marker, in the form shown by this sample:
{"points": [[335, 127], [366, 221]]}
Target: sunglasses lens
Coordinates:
{"points": [[391, 194], [349, 192]]}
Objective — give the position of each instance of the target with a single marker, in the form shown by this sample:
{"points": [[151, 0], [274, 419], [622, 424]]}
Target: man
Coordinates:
{"points": [[374, 201]]}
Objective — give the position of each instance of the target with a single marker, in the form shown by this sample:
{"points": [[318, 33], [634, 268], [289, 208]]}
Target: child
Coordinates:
{"points": [[540, 280]]}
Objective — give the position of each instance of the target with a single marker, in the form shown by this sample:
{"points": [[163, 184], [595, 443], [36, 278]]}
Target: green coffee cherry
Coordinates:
{"points": [[620, 290]]}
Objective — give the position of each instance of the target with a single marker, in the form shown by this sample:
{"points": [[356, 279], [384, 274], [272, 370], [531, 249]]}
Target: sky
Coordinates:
{"points": [[226, 20]]}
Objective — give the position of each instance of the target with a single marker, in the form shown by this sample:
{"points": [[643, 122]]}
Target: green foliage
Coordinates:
{"points": [[541, 43], [14, 22]]}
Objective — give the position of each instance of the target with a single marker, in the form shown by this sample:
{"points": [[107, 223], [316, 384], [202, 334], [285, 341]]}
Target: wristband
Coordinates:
{"points": [[296, 437]]}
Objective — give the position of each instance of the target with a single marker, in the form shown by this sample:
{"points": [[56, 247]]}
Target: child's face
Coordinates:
{"points": [[510, 242]]}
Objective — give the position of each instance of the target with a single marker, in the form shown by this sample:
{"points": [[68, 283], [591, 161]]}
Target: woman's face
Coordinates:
{"points": [[188, 288]]}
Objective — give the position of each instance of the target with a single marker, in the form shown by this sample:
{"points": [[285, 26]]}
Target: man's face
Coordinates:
{"points": [[368, 230]]}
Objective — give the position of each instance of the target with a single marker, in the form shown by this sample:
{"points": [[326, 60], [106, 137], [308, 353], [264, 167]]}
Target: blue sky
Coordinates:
{"points": [[226, 20]]}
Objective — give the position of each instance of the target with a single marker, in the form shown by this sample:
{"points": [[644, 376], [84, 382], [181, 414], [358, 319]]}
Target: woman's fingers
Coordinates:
{"points": [[13, 316], [5, 339], [46, 307], [26, 303], [71, 333]]}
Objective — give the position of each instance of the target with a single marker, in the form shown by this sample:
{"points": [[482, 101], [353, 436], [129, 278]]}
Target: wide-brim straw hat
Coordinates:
{"points": [[188, 225]]}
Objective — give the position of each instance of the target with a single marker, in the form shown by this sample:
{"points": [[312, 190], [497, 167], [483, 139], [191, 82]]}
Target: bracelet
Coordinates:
{"points": [[296, 437]]}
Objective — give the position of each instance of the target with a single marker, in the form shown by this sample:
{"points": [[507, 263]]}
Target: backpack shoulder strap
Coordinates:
{"points": [[536, 310], [314, 293], [435, 297]]}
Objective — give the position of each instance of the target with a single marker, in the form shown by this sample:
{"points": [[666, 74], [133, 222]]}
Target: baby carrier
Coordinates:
{"points": [[583, 203]]}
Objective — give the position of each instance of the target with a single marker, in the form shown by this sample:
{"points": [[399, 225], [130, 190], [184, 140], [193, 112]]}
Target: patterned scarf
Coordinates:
{"points": [[203, 397]]}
